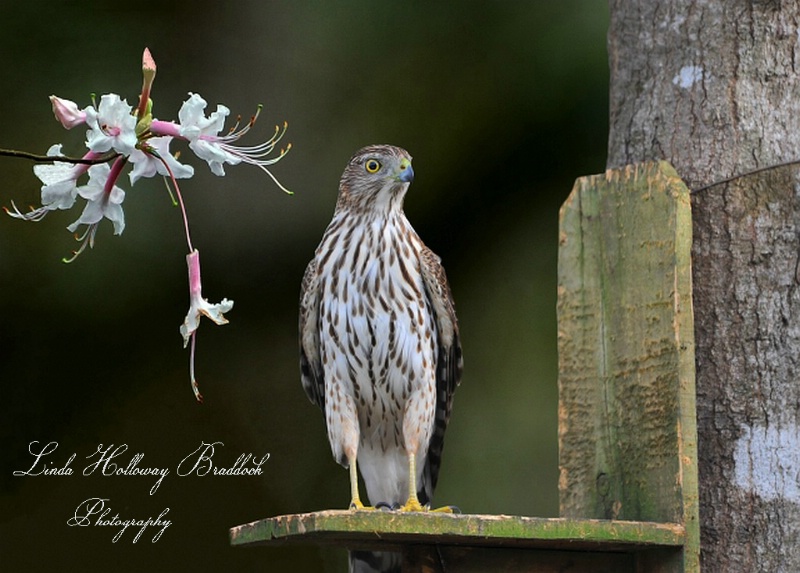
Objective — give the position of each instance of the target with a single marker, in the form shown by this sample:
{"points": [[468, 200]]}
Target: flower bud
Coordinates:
{"points": [[67, 112], [148, 69]]}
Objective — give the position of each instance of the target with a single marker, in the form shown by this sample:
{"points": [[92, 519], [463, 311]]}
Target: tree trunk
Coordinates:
{"points": [[711, 86]]}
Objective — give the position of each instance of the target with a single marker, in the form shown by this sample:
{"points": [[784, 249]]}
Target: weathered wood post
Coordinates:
{"points": [[627, 426], [626, 411]]}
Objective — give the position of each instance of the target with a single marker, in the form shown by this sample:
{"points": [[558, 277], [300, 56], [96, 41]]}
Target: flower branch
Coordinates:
{"points": [[60, 159], [120, 137]]}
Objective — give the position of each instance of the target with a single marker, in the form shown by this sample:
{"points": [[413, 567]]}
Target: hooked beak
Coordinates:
{"points": [[406, 174]]}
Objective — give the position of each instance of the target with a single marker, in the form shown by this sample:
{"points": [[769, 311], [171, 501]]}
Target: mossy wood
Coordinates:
{"points": [[435, 542], [627, 420], [627, 430], [388, 529]]}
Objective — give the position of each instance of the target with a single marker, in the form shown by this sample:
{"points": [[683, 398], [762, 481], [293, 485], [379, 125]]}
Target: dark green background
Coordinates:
{"points": [[502, 105]]}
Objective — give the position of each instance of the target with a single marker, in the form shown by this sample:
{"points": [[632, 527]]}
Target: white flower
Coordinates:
{"points": [[147, 164], [112, 126], [202, 132], [101, 202], [59, 189], [60, 181], [203, 135], [197, 304]]}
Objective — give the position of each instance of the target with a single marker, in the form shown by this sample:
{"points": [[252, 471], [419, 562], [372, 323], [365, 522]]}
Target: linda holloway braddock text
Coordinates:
{"points": [[113, 460]]}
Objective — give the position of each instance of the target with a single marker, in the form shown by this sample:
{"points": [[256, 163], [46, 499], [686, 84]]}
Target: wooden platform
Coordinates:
{"points": [[447, 542], [387, 529]]}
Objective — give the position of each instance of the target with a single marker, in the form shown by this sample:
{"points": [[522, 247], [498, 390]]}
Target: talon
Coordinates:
{"points": [[412, 505], [447, 509], [383, 506], [356, 505]]}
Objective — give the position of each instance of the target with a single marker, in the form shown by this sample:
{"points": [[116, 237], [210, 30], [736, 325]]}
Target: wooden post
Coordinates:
{"points": [[627, 421], [627, 424]]}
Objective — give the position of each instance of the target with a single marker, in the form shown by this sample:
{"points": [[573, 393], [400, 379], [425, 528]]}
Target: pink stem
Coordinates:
{"points": [[113, 175], [158, 127], [180, 203]]}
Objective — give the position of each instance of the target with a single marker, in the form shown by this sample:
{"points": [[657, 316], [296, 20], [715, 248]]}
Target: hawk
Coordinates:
{"points": [[380, 351]]}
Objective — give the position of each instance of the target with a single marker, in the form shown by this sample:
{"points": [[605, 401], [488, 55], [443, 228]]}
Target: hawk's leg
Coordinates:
{"points": [[413, 503], [355, 498]]}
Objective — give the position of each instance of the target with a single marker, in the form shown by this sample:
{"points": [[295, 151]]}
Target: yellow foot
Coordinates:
{"points": [[358, 506], [413, 505], [447, 509]]}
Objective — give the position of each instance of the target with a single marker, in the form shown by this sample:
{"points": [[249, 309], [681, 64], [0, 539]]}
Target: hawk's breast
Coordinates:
{"points": [[376, 326]]}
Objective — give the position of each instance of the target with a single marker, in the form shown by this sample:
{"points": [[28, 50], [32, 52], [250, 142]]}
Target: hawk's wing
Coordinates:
{"points": [[310, 362], [449, 363]]}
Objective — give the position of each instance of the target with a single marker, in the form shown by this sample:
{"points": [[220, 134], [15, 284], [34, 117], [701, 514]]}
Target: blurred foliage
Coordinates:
{"points": [[502, 105]]}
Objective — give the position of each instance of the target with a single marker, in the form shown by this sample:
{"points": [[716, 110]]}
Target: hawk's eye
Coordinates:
{"points": [[372, 165]]}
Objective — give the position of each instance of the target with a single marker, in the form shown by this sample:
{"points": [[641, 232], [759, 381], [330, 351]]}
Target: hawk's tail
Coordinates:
{"points": [[375, 562]]}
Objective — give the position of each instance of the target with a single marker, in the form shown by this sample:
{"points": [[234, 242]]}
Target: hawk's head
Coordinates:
{"points": [[376, 178]]}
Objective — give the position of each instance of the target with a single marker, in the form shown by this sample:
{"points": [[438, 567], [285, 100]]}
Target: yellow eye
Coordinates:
{"points": [[372, 165]]}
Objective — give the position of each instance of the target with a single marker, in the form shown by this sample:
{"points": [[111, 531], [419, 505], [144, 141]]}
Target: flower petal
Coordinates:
{"points": [[216, 311], [92, 213], [147, 164], [99, 202], [111, 126], [60, 195], [144, 165], [114, 213], [197, 304]]}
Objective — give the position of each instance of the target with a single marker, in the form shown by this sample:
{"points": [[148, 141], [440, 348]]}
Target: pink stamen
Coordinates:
{"points": [[195, 386]]}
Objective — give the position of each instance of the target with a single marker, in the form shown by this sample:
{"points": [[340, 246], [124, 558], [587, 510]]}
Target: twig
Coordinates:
{"points": [[54, 158], [745, 174]]}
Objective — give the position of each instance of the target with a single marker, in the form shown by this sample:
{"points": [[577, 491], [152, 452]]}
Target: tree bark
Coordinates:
{"points": [[712, 87]]}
